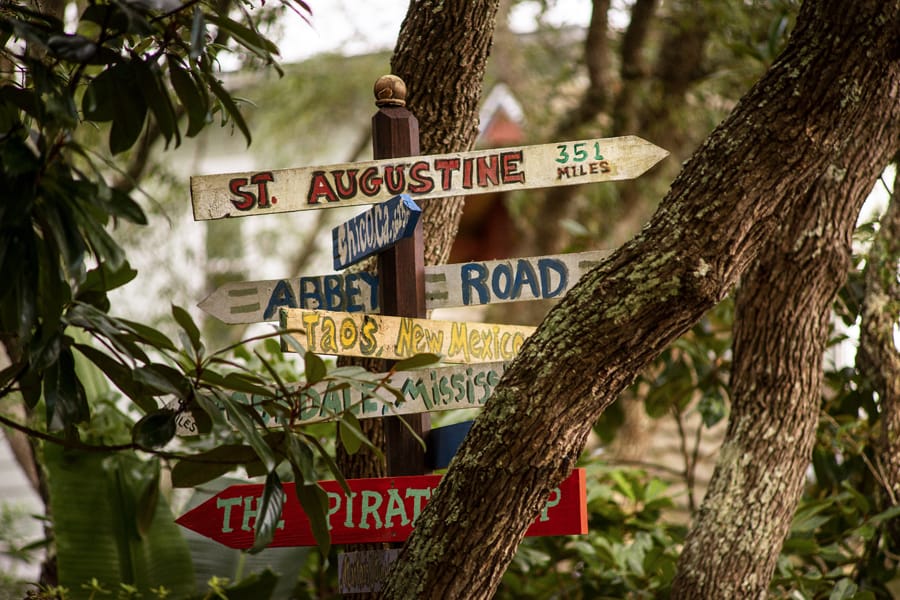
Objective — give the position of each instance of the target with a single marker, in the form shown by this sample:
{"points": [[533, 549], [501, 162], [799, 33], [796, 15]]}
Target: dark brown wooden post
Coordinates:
{"points": [[401, 269]]}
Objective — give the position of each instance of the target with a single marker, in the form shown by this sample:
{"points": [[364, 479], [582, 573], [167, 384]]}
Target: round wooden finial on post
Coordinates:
{"points": [[390, 91]]}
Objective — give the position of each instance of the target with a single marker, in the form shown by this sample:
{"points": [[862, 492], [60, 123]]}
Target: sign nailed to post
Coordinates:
{"points": [[375, 230], [376, 510], [446, 286], [434, 176], [397, 338]]}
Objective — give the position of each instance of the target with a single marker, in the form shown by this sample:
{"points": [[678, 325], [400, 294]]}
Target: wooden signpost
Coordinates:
{"points": [[338, 315], [398, 338], [376, 511], [374, 231], [446, 286], [435, 176]]}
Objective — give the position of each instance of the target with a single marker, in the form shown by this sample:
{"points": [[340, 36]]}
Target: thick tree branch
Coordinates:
{"points": [[726, 204]]}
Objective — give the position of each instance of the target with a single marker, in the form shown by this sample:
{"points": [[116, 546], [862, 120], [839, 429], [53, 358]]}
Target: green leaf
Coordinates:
{"points": [[160, 378], [148, 78], [314, 502], [301, 457], [289, 342], [120, 204], [315, 368], [64, 395], [192, 97], [103, 278], [229, 107], [268, 512], [245, 425], [200, 468], [121, 376], [249, 38], [154, 430], [329, 462], [351, 436], [419, 360], [256, 586], [89, 496], [148, 334], [249, 384], [187, 324], [148, 501]]}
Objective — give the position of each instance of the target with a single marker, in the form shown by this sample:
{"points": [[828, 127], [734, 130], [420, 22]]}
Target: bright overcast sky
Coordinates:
{"points": [[358, 27]]}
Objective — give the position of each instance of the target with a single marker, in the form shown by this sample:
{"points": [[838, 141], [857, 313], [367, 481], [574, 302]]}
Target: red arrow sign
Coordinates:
{"points": [[377, 510]]}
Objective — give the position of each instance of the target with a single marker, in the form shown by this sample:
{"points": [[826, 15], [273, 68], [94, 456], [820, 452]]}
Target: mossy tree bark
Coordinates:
{"points": [[877, 356], [782, 324], [441, 54], [821, 109]]}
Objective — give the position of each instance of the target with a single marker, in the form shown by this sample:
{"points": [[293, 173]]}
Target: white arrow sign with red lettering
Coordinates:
{"points": [[435, 176]]}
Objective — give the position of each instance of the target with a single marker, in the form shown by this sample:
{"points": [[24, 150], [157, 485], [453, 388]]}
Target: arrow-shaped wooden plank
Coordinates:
{"points": [[397, 338], [374, 231], [376, 510], [434, 176], [452, 387], [446, 286]]}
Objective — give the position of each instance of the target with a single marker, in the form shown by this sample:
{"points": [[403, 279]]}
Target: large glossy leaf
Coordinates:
{"points": [[229, 107], [206, 466], [96, 527], [148, 77], [192, 97], [240, 419], [154, 430], [314, 502], [121, 376], [268, 512]]}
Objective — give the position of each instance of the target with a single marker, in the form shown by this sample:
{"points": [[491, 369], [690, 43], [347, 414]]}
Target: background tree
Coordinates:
{"points": [[725, 204]]}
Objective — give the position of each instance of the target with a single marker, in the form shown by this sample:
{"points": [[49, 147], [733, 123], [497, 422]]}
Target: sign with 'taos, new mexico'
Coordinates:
{"points": [[446, 286], [376, 510], [397, 338], [434, 176]]}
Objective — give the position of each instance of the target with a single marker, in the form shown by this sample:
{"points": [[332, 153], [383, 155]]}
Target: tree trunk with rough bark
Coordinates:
{"points": [[835, 89], [878, 357], [441, 54], [782, 324]]}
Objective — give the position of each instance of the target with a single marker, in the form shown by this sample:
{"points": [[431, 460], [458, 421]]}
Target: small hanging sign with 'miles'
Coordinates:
{"points": [[374, 231]]}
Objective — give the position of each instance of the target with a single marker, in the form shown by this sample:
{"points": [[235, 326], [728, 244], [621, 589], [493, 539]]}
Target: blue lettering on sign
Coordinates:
{"points": [[282, 296], [525, 275], [506, 282], [545, 266], [326, 292], [473, 276]]}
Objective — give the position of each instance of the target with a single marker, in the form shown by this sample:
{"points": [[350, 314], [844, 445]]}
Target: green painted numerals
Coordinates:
{"points": [[578, 152]]}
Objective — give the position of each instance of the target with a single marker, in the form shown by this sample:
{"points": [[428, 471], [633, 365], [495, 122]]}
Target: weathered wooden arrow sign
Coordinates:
{"points": [[435, 176], [424, 390], [376, 511], [446, 286], [397, 338], [375, 230]]}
